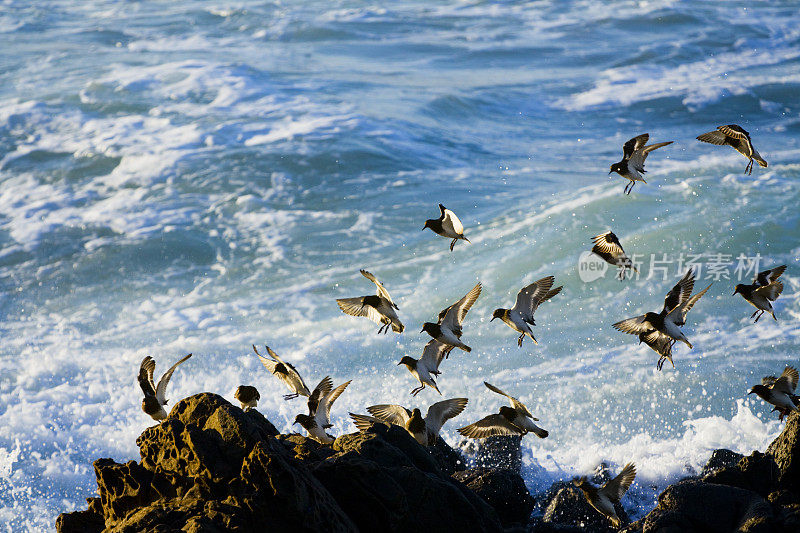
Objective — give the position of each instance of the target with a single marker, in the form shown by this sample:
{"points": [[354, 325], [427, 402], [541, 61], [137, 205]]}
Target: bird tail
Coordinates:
{"points": [[466, 239], [541, 433]]}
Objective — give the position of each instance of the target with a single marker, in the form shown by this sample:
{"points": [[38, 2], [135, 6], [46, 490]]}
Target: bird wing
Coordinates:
{"points": [[787, 382], [637, 143], [768, 276], [634, 326], [161, 388], [355, 307], [637, 159], [433, 353], [516, 404], [659, 342], [488, 426], [681, 292], [607, 243], [735, 131], [615, 488], [146, 370], [456, 313], [529, 298], [441, 412], [390, 413], [292, 379], [327, 402], [684, 308], [382, 292], [363, 422], [713, 137], [322, 389], [771, 291]]}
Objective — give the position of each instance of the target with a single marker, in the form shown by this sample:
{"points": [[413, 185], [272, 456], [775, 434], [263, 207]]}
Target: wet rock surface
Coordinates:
{"points": [[213, 467]]}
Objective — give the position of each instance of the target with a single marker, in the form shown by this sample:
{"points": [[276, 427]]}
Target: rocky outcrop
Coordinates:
{"points": [[756, 493], [212, 467], [503, 489]]}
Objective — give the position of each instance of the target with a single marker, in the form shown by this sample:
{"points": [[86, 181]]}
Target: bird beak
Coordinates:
{"points": [[734, 293], [493, 318], [423, 329], [423, 228], [749, 393], [609, 172]]}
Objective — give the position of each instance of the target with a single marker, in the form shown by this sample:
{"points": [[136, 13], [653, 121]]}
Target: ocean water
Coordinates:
{"points": [[201, 176]]}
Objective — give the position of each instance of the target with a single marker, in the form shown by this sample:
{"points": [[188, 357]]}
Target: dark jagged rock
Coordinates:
{"points": [[384, 480], [504, 490], [785, 450], [722, 458], [448, 459], [212, 467], [756, 472], [695, 506], [502, 451], [569, 507], [88, 521]]}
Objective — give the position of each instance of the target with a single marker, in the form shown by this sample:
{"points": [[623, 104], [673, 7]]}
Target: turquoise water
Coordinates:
{"points": [[198, 177]]}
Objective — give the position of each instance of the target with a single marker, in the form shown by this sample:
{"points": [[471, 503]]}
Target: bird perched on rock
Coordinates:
{"points": [[634, 152], [520, 317], [764, 290], [448, 329], [603, 498], [154, 395], [607, 246], [248, 396], [514, 420], [739, 139], [379, 307], [284, 372], [779, 391], [424, 430], [426, 366], [668, 322], [447, 225], [318, 418]]}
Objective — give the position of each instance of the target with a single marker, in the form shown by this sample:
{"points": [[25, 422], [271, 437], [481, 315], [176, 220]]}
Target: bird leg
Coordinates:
{"points": [[759, 316], [754, 313], [519, 341], [417, 390], [290, 396], [453, 244], [749, 168]]}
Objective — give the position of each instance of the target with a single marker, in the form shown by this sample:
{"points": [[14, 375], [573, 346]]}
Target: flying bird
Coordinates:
{"points": [[661, 344], [764, 290], [427, 366], [677, 304], [514, 420], [603, 498], [779, 391], [379, 307], [248, 396], [737, 137], [424, 430], [284, 372], [448, 329], [607, 246], [520, 317], [634, 152], [318, 418], [447, 225], [154, 395]]}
